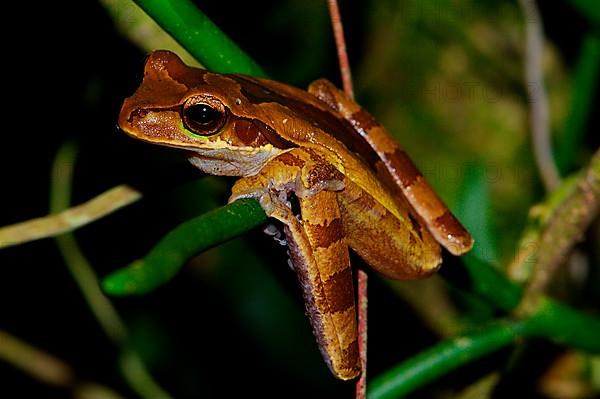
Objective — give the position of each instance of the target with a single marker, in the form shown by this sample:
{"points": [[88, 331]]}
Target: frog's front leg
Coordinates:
{"points": [[317, 247]]}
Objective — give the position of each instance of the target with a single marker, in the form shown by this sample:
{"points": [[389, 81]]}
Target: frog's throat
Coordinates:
{"points": [[227, 160]]}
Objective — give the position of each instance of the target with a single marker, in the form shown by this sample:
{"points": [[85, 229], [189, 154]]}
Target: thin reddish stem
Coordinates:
{"points": [[340, 42], [338, 32], [361, 384]]}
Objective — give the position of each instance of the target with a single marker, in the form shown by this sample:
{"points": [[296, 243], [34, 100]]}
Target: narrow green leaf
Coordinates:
{"points": [[200, 36], [550, 320], [443, 357], [474, 210]]}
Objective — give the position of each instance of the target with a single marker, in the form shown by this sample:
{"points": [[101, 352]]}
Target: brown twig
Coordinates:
{"points": [[538, 99], [38, 364], [48, 369], [566, 215], [70, 219], [542, 143], [340, 42], [361, 384]]}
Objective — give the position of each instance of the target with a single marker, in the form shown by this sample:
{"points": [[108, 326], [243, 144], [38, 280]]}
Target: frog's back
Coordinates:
{"points": [[308, 107]]}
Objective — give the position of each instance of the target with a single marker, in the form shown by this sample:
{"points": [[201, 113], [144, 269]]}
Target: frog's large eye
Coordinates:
{"points": [[204, 117]]}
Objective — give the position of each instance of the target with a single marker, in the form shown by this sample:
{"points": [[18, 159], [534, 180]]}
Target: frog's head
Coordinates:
{"points": [[202, 112]]}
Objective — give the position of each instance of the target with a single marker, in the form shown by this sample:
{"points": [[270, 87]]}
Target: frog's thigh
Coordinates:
{"points": [[386, 243]]}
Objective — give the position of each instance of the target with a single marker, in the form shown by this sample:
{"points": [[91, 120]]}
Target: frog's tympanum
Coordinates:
{"points": [[318, 163]]}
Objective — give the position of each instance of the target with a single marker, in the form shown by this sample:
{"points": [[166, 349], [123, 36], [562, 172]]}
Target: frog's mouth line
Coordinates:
{"points": [[203, 149], [140, 113], [230, 151]]}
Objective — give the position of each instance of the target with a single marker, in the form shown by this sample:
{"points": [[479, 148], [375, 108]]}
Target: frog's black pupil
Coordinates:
{"points": [[204, 119], [202, 114]]}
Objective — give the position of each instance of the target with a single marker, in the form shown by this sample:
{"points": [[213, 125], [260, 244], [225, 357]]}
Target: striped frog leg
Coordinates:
{"points": [[394, 245], [317, 247], [445, 228]]}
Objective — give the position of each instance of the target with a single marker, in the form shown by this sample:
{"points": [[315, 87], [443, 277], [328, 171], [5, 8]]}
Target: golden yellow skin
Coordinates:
{"points": [[354, 186]]}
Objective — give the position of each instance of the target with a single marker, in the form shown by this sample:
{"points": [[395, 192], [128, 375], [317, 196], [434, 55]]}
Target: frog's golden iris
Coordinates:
{"points": [[204, 118]]}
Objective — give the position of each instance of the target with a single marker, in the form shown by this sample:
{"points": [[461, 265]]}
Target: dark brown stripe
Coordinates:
{"points": [[364, 120], [290, 160], [340, 290], [322, 172], [416, 225], [350, 356], [330, 123], [310, 293], [314, 155], [324, 236], [271, 135], [450, 226], [402, 167]]}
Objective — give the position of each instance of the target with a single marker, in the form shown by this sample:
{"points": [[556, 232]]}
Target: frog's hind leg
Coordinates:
{"points": [[398, 247], [399, 168]]}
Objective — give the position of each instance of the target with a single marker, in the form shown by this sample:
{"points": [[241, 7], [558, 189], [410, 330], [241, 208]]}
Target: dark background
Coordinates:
{"points": [[226, 325]]}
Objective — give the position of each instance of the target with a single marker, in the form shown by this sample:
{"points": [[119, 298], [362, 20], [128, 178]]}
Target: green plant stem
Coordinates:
{"points": [[200, 36], [550, 320], [86, 279], [559, 323], [441, 358], [185, 241], [559, 224], [170, 254], [137, 376]]}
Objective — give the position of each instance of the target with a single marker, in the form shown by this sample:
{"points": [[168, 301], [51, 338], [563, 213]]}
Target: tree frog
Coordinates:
{"points": [[318, 163]]}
